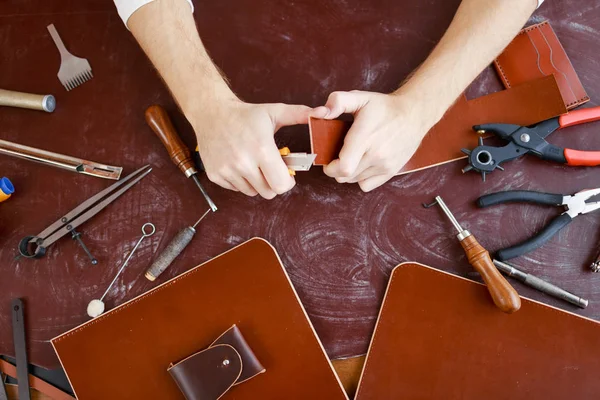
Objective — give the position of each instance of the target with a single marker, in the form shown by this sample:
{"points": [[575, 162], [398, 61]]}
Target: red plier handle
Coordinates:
{"points": [[578, 157]]}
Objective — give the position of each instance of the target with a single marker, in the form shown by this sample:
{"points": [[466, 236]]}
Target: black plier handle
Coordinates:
{"points": [[525, 196]]}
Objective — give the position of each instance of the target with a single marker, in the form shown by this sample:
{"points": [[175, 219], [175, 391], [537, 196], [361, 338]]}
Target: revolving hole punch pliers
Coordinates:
{"points": [[531, 140], [575, 205]]}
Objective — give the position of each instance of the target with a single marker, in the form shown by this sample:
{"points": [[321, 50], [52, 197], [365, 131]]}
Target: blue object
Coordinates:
{"points": [[6, 186]]}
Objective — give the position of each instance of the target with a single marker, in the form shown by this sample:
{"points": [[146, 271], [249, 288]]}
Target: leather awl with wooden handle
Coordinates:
{"points": [[503, 294], [39, 102], [158, 119]]}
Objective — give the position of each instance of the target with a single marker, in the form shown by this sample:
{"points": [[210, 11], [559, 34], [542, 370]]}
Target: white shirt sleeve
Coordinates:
{"points": [[128, 7], [540, 3]]}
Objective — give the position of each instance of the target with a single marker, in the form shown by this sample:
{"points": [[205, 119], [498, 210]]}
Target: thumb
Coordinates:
{"points": [[340, 103], [289, 114]]}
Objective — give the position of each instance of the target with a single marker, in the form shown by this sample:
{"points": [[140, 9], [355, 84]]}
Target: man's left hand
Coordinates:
{"points": [[387, 130]]}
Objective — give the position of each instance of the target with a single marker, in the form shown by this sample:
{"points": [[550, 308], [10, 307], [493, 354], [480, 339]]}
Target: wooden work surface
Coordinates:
{"points": [[337, 243]]}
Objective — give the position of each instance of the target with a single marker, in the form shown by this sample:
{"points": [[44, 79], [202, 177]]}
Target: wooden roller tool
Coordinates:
{"points": [[27, 100], [503, 294], [158, 119]]}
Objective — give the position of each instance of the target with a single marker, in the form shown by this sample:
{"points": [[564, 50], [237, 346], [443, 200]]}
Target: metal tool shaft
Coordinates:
{"points": [[211, 204], [540, 284], [77, 236], [449, 214], [57, 160], [144, 235]]}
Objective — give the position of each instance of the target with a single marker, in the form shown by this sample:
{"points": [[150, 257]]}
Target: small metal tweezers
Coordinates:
{"points": [[79, 215]]}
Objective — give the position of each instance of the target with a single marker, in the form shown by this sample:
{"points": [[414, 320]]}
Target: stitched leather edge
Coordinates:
{"points": [[499, 67], [507, 83]]}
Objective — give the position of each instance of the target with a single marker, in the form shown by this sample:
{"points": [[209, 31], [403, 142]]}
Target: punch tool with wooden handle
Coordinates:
{"points": [[158, 119], [503, 294], [41, 102]]}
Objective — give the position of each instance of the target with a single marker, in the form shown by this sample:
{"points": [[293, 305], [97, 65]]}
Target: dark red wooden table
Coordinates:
{"points": [[337, 243]]}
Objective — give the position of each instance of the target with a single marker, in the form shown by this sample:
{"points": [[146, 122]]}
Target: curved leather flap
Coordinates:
{"points": [[208, 374], [250, 364]]}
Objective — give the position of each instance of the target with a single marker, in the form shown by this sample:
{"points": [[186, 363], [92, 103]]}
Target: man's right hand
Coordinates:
{"points": [[237, 145]]}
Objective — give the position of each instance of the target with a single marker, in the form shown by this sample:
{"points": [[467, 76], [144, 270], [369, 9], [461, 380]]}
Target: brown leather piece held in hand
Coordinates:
{"points": [[525, 104], [440, 337], [536, 52], [210, 373]]}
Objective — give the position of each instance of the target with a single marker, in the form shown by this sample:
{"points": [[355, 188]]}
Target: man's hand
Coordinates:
{"points": [[238, 149], [386, 132]]}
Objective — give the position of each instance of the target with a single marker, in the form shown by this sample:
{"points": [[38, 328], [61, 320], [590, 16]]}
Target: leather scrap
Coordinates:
{"points": [[35, 382]]}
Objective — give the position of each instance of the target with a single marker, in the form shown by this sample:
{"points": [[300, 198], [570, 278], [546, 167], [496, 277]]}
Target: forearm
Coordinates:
{"points": [[166, 31], [479, 32]]}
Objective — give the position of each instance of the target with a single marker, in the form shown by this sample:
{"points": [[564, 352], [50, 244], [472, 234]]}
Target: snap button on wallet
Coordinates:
{"points": [[210, 373], [537, 52]]}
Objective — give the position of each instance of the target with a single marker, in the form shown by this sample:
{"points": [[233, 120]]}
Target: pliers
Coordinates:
{"points": [[575, 205], [531, 139]]}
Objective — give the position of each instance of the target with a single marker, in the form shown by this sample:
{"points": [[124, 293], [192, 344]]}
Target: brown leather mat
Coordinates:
{"points": [[247, 286], [439, 336]]}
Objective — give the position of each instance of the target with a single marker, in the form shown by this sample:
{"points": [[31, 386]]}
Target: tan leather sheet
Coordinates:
{"points": [[439, 336], [525, 104], [125, 353]]}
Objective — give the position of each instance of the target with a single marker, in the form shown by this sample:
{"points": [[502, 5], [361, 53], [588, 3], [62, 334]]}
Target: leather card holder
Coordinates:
{"points": [[537, 52]]}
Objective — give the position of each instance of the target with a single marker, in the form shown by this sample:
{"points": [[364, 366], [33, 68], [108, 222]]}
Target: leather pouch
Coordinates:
{"points": [[525, 104], [537, 52], [210, 373]]}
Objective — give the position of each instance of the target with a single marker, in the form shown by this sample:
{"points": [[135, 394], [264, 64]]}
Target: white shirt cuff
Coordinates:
{"points": [[128, 7]]}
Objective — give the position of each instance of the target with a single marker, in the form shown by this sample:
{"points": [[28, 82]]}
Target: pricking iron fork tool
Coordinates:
{"points": [[60, 161], [35, 246]]}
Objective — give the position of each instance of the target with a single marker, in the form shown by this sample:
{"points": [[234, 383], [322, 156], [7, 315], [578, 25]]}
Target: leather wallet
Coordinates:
{"points": [[526, 104], [439, 336], [210, 373], [537, 52], [247, 286]]}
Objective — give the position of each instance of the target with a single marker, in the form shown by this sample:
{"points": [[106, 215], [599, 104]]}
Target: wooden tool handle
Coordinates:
{"points": [[158, 119], [504, 295], [30, 101]]}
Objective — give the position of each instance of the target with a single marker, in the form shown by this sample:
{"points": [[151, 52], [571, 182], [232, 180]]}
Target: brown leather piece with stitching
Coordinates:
{"points": [[247, 285], [526, 104], [210, 373], [440, 337], [537, 52]]}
